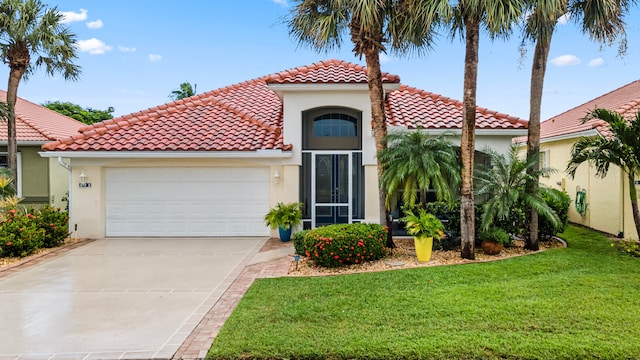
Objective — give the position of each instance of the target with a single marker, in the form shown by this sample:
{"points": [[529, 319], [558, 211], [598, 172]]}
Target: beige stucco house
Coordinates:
{"points": [[213, 164], [608, 208]]}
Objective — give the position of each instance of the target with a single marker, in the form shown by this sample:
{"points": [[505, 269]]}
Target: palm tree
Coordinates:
{"points": [[415, 162], [603, 21], [503, 185], [497, 17], [371, 24], [184, 91], [32, 36], [621, 149]]}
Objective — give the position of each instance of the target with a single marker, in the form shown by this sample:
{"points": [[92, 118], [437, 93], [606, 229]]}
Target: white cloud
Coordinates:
{"points": [[70, 16], [562, 20], [155, 57], [95, 24], [385, 59], [565, 60], [93, 46], [283, 3], [126, 49], [597, 62]]}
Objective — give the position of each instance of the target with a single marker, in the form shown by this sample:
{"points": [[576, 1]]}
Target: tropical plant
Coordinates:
{"points": [[497, 17], [603, 21], [423, 224], [32, 36], [184, 91], [621, 148], [7, 188], [284, 215], [495, 234], [503, 185], [372, 25], [84, 115], [414, 162]]}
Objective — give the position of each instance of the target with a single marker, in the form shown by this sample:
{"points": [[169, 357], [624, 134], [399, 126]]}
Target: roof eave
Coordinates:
{"points": [[590, 132], [262, 154], [280, 89], [484, 132]]}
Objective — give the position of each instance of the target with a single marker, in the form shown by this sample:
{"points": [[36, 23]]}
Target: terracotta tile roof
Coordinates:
{"points": [[327, 72], [248, 116], [414, 108], [625, 100], [37, 123]]}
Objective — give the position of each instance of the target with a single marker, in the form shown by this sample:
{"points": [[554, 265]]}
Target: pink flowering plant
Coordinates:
{"points": [[345, 244], [55, 223], [19, 234]]}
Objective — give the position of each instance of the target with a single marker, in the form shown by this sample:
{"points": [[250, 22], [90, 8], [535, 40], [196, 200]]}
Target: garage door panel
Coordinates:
{"points": [[187, 201]]}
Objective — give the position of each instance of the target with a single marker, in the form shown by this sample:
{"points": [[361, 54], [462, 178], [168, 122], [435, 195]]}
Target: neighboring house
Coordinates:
{"points": [[213, 164], [608, 207], [40, 180]]}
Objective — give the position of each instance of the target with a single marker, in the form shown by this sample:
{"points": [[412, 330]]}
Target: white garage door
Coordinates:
{"points": [[186, 202]]}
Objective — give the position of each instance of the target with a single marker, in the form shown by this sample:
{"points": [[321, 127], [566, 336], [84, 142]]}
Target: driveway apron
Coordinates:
{"points": [[117, 298]]}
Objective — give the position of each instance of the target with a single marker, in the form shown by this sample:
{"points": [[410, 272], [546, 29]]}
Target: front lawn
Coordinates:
{"points": [[573, 303]]}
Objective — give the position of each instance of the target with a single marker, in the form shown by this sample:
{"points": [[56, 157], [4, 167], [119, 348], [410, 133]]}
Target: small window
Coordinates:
{"points": [[544, 160], [335, 125]]}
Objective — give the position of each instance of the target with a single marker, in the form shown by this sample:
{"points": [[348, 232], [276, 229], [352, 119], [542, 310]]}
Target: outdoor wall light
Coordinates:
{"points": [[276, 177], [83, 180]]}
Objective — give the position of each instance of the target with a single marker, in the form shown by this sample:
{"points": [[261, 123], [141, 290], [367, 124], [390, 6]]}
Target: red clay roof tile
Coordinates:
{"points": [[625, 100], [248, 116], [37, 123]]}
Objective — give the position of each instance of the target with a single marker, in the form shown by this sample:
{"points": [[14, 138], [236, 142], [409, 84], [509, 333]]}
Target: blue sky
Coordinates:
{"points": [[134, 53]]}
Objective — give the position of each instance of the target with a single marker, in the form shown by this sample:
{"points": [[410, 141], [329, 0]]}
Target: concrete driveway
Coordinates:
{"points": [[117, 298]]}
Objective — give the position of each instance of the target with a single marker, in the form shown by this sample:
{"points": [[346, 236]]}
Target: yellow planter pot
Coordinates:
{"points": [[424, 245]]}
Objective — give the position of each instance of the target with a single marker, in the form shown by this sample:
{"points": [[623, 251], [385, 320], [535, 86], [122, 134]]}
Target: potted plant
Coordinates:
{"points": [[284, 217], [493, 240], [424, 227]]}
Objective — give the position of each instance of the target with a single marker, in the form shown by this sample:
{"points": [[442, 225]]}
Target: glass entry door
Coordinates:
{"points": [[332, 188]]}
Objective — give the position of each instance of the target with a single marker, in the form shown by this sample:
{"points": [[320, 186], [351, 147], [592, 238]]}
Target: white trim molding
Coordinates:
{"points": [[262, 154]]}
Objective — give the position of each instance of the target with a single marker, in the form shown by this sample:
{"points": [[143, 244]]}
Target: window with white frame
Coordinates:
{"points": [[544, 160], [4, 162]]}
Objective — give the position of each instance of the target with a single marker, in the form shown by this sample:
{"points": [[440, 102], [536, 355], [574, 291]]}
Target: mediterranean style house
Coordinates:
{"points": [[214, 163], [40, 180], [600, 203]]}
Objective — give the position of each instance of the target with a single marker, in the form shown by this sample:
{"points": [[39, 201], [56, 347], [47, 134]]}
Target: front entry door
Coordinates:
{"points": [[332, 189]]}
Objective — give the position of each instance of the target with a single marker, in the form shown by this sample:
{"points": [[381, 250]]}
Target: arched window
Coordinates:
{"points": [[335, 125]]}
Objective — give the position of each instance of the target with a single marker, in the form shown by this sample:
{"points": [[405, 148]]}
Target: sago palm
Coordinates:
{"points": [[621, 149], [603, 21], [503, 185], [32, 36], [414, 162]]}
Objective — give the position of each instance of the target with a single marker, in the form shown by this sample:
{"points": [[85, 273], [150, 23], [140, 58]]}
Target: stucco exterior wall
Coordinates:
{"points": [[608, 204], [34, 175], [58, 183]]}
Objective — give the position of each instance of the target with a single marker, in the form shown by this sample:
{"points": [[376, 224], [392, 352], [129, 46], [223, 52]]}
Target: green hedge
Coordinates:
{"points": [[24, 232], [345, 244]]}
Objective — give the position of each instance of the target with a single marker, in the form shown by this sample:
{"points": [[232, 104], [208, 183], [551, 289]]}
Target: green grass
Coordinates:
{"points": [[574, 303]]}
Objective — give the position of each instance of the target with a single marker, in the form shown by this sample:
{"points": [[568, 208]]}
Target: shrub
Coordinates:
{"points": [[345, 244], [298, 241], [55, 224], [20, 235], [560, 202], [630, 247], [496, 234]]}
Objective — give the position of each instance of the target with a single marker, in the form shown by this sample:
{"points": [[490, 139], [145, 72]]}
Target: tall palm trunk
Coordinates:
{"points": [[467, 144], [633, 194], [538, 70], [378, 120], [12, 145]]}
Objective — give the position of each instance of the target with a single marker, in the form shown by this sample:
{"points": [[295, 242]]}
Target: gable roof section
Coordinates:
{"points": [[248, 116], [328, 72], [625, 100], [36, 123], [415, 108]]}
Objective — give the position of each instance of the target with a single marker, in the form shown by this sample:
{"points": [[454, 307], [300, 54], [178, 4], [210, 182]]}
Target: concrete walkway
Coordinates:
{"points": [[129, 298]]}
